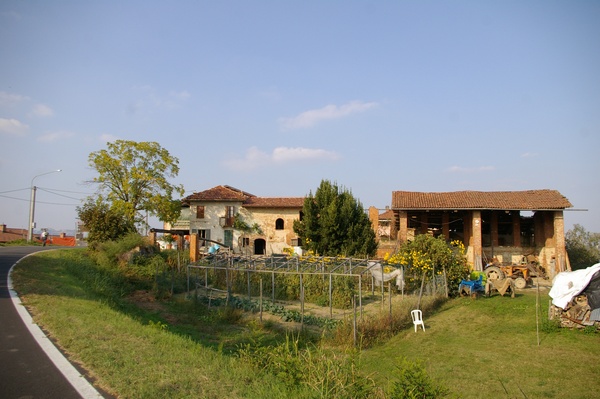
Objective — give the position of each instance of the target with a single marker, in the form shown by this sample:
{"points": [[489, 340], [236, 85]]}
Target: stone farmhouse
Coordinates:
{"points": [[513, 227], [508, 226], [240, 221]]}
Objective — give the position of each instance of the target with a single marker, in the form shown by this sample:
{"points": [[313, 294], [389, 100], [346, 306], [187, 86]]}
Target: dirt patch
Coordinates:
{"points": [[145, 300]]}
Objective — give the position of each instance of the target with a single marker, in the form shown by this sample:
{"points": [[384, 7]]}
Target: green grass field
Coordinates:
{"points": [[488, 347]]}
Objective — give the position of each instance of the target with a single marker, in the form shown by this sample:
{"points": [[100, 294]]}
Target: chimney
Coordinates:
{"points": [[2, 228]]}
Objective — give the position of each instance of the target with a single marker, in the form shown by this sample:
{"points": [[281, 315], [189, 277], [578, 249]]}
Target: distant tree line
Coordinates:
{"points": [[583, 247]]}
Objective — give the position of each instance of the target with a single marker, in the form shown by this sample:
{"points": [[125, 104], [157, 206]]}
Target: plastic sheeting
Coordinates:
{"points": [[592, 291], [567, 285], [379, 275]]}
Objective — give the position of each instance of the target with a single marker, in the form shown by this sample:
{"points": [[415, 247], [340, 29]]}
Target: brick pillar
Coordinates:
{"points": [[403, 226], [516, 224], [152, 237], [194, 247], [559, 241], [549, 230], [374, 218], [394, 226]]}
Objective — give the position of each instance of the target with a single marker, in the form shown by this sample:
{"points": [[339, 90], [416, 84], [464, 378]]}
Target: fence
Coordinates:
{"points": [[222, 273]]}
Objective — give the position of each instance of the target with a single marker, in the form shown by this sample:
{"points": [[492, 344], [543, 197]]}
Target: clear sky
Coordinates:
{"points": [[271, 97]]}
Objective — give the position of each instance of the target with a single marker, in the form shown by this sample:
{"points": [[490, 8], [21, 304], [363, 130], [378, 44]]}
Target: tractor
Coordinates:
{"points": [[520, 274]]}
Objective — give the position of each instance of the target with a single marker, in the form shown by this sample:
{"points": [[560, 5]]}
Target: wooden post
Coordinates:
{"points": [[330, 298], [273, 287], [187, 272], [248, 278], [193, 247], [390, 300], [360, 296], [301, 302], [354, 335], [421, 292]]}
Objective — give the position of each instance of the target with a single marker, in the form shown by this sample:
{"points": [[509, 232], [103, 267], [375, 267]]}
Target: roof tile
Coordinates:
{"points": [[274, 202], [507, 200], [219, 193]]}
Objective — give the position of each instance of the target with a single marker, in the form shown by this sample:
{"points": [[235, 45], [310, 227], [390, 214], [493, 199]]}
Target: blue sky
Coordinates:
{"points": [[274, 96]]}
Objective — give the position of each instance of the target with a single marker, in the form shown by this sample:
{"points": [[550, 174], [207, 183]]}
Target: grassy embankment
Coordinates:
{"points": [[144, 349]]}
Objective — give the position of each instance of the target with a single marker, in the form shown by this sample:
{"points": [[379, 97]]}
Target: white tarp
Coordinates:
{"points": [[378, 274], [567, 285]]}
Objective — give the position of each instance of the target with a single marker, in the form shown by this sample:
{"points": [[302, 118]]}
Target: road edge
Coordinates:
{"points": [[75, 378]]}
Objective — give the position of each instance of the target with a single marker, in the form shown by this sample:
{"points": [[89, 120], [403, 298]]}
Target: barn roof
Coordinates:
{"points": [[274, 202], [504, 200]]}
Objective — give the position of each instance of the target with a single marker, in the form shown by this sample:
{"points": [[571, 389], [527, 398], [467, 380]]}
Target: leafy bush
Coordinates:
{"points": [[426, 256], [413, 382], [142, 265]]}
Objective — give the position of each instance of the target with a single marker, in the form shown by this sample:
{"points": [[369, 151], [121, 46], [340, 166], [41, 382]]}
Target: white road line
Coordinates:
{"points": [[81, 385]]}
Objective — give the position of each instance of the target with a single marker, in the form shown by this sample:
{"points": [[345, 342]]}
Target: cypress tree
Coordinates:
{"points": [[335, 223]]}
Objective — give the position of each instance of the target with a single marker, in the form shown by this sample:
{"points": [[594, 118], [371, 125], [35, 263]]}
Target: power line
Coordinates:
{"points": [[13, 198], [60, 195], [12, 191], [65, 191], [38, 202]]}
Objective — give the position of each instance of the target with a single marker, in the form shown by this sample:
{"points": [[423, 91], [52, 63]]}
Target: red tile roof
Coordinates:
{"points": [[219, 193], [505, 200], [274, 202], [387, 215], [228, 193]]}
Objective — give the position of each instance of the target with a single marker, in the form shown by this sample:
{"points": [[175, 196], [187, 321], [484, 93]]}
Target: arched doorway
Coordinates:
{"points": [[260, 246]]}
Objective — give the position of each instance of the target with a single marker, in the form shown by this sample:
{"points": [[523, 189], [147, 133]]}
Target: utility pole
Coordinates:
{"points": [[31, 224]]}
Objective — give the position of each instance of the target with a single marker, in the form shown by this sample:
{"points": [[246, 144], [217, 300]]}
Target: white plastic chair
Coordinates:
{"points": [[417, 318]]}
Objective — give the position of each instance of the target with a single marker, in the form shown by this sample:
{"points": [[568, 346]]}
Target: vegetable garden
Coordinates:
{"points": [[268, 283]]}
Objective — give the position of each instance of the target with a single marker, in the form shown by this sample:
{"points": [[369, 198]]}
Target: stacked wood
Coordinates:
{"points": [[575, 315]]}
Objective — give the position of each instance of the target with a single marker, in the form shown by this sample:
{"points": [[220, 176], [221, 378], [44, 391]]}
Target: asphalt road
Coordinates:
{"points": [[27, 370]]}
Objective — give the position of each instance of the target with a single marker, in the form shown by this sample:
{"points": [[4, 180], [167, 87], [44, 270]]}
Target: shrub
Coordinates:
{"points": [[413, 382]]}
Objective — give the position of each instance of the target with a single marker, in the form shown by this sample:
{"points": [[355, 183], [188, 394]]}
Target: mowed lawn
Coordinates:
{"points": [[482, 348], [490, 348]]}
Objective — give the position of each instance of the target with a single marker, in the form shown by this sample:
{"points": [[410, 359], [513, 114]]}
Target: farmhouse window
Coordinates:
{"points": [[279, 224], [229, 216], [203, 235], [200, 212]]}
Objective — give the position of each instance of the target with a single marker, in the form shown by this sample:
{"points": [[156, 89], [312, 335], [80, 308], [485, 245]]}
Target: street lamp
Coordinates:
{"points": [[32, 205]]}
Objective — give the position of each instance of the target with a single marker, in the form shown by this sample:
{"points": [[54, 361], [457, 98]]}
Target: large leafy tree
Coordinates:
{"points": [[583, 247], [133, 179], [335, 223]]}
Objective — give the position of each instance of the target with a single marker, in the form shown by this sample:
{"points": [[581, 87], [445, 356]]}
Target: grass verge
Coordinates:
{"points": [[488, 347], [177, 349], [129, 352]]}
